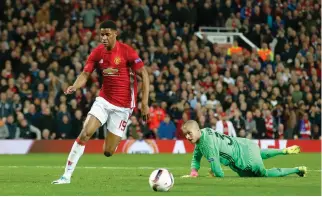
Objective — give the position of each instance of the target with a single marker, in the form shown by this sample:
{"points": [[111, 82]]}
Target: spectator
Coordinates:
{"points": [[136, 130], [43, 14], [235, 49], [4, 132], [269, 124], [225, 126], [27, 131], [246, 11], [12, 127], [179, 133], [260, 125], [64, 128], [250, 125], [257, 17], [46, 119], [16, 103], [297, 95], [138, 12], [167, 129], [281, 41], [238, 123], [47, 136], [5, 107], [304, 128], [32, 116], [265, 53], [280, 131], [157, 115], [233, 22], [203, 122], [316, 134], [88, 15], [77, 124], [41, 93]]}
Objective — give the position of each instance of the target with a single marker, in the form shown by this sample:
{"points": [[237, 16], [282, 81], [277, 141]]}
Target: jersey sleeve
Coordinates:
{"points": [[134, 59], [91, 61], [196, 158], [211, 152]]}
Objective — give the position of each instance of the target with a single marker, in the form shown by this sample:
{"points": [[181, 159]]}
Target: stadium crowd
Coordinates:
{"points": [[273, 92]]}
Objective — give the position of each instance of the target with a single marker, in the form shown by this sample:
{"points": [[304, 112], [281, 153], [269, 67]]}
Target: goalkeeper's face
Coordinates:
{"points": [[191, 132]]}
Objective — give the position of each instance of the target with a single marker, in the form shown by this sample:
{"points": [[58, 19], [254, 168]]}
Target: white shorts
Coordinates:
{"points": [[116, 117]]}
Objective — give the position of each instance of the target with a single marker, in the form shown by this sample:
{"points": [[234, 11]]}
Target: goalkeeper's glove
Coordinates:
{"points": [[194, 173]]}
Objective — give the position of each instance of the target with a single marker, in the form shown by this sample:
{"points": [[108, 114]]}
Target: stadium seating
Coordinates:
{"points": [[272, 92]]}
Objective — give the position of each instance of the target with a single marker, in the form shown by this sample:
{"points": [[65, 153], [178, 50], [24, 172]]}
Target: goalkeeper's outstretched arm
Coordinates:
{"points": [[196, 158], [216, 167], [212, 155]]}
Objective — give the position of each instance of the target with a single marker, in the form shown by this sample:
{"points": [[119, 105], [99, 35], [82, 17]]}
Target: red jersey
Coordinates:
{"points": [[157, 115], [119, 79]]}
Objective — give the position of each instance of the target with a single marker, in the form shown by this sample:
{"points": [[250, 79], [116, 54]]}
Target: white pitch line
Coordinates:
{"points": [[112, 167], [92, 167]]}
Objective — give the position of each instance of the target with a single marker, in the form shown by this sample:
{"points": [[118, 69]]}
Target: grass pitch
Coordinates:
{"points": [[128, 175]]}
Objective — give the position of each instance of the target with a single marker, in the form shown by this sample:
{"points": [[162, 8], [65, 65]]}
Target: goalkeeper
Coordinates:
{"points": [[242, 155]]}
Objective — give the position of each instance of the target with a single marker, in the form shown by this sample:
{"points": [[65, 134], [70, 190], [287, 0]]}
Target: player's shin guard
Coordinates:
{"points": [[268, 153], [279, 172], [73, 157]]}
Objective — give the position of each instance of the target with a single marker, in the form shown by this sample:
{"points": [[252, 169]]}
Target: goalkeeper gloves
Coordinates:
{"points": [[194, 173]]}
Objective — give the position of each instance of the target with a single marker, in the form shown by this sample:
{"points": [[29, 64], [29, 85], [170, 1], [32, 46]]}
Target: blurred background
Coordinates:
{"points": [[250, 68]]}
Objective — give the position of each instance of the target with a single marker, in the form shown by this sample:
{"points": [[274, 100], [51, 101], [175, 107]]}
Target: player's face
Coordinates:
{"points": [[108, 37], [191, 134]]}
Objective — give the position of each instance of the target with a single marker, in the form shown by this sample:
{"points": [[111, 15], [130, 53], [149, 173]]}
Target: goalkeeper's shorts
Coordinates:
{"points": [[255, 166]]}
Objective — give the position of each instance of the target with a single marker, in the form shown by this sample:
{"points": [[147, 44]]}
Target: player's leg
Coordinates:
{"points": [[91, 125], [280, 172], [269, 153], [245, 173], [110, 144], [95, 118], [116, 125], [258, 168]]}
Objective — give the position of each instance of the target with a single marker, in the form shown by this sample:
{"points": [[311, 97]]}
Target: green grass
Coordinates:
{"points": [[128, 175]]}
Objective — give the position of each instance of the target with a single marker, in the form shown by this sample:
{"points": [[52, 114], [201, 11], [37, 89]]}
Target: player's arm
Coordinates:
{"points": [[216, 167], [83, 77], [138, 67], [212, 155], [81, 80], [143, 73], [195, 162]]}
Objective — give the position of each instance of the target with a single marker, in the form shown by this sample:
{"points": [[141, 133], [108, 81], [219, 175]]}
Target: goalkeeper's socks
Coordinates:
{"points": [[73, 157], [268, 153], [279, 172]]}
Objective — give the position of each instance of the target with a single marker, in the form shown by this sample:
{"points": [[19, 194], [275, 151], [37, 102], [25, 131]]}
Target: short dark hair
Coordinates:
{"points": [[108, 24]]}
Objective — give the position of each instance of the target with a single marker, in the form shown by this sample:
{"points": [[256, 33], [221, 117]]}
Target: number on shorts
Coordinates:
{"points": [[122, 125]]}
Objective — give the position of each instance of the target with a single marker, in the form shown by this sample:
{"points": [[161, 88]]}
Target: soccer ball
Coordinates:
{"points": [[161, 180]]}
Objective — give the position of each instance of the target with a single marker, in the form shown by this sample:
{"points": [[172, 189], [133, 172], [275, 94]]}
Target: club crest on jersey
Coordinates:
{"points": [[117, 60]]}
